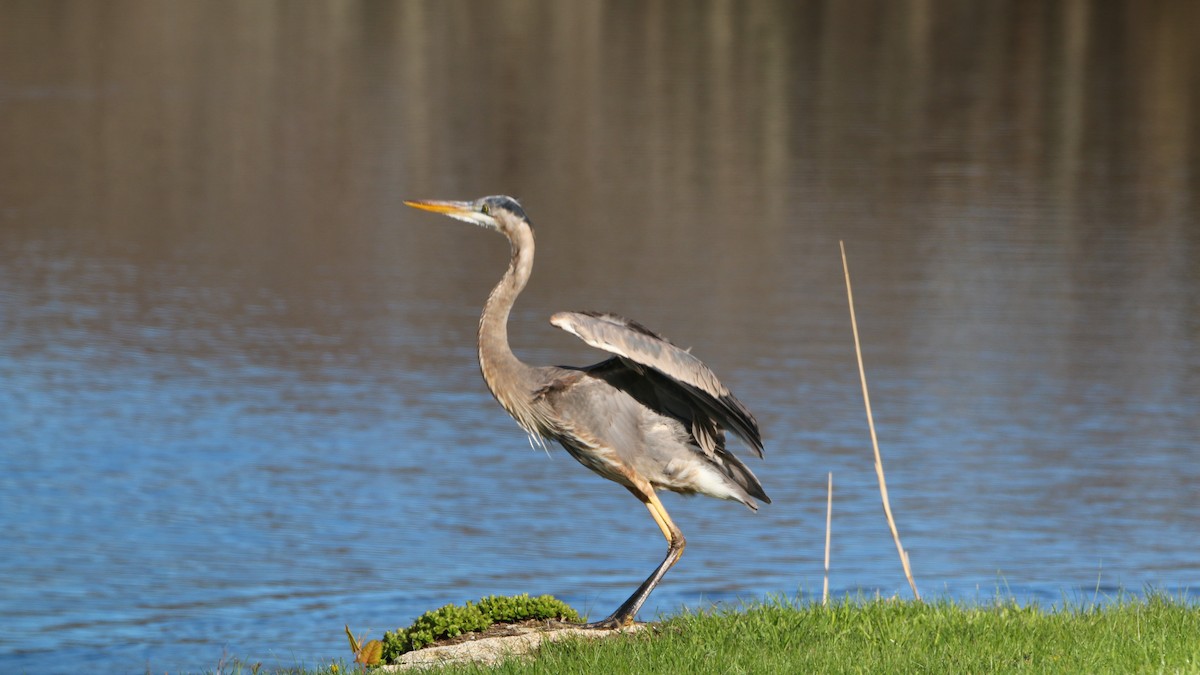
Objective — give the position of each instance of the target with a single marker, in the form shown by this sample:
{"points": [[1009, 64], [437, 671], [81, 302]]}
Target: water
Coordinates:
{"points": [[240, 406]]}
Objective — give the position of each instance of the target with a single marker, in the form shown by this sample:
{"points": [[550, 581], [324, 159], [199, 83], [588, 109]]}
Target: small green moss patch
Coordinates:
{"points": [[454, 620]]}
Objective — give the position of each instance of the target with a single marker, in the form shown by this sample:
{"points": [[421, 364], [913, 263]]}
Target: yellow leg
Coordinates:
{"points": [[628, 610], [668, 527]]}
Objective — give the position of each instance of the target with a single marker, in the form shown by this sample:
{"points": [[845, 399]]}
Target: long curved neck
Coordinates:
{"points": [[509, 380]]}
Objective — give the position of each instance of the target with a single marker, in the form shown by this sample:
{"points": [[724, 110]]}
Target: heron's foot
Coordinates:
{"points": [[614, 622]]}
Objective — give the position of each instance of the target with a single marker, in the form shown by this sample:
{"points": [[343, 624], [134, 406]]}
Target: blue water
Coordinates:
{"points": [[239, 407]]}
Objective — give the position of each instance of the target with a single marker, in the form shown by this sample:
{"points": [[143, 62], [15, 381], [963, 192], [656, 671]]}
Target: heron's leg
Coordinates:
{"points": [[628, 610]]}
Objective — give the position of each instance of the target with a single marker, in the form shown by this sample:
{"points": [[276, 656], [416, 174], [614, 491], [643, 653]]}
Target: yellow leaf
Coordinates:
{"points": [[354, 647], [371, 652]]}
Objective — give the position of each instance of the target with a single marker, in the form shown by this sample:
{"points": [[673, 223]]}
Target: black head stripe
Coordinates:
{"points": [[508, 204]]}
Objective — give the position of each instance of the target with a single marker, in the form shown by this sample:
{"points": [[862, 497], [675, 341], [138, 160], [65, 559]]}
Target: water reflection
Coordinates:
{"points": [[240, 406]]}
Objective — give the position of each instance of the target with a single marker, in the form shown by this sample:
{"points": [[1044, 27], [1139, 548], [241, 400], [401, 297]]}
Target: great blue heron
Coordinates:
{"points": [[651, 417]]}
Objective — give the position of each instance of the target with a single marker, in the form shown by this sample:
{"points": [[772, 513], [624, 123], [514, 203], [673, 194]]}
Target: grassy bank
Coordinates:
{"points": [[1152, 635], [1156, 635]]}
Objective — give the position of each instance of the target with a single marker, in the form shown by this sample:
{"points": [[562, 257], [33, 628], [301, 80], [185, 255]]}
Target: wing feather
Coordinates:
{"points": [[639, 346]]}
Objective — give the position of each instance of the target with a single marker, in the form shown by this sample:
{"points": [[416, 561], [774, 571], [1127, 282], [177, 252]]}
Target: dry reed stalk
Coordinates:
{"points": [[862, 375], [828, 522]]}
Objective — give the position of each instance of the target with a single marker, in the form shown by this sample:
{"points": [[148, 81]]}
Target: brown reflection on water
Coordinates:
{"points": [[282, 135]]}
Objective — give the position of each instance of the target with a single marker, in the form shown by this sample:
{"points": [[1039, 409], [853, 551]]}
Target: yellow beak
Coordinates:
{"points": [[443, 207]]}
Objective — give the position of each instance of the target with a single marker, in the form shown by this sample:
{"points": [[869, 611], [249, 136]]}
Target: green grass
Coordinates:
{"points": [[1155, 635]]}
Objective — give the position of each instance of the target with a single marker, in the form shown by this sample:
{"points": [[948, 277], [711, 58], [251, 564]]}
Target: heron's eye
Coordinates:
{"points": [[486, 209]]}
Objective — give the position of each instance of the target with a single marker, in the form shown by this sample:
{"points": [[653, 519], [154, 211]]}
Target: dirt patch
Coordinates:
{"points": [[497, 642]]}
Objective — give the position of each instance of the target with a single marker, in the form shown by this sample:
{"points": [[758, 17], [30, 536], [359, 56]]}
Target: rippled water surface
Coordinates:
{"points": [[239, 406]]}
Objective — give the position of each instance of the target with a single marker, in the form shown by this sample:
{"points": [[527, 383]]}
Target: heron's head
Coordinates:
{"points": [[498, 212]]}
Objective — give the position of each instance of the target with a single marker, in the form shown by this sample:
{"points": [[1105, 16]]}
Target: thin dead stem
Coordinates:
{"points": [[862, 374], [828, 522]]}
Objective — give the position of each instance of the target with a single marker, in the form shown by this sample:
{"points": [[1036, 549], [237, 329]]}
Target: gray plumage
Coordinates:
{"points": [[651, 417]]}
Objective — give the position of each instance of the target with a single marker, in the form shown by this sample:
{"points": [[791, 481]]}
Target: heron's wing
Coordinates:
{"points": [[639, 347]]}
